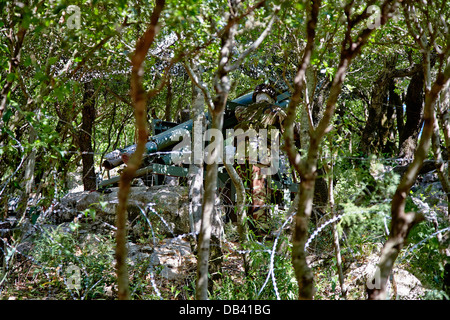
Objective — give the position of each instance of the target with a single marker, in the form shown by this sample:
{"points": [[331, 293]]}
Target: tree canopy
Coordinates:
{"points": [[368, 82]]}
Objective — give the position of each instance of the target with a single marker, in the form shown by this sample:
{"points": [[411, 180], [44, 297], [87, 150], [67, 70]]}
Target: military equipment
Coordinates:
{"points": [[158, 157], [155, 143]]}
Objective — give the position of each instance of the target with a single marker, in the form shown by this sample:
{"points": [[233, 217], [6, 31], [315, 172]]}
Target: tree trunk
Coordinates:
{"points": [[377, 122], [443, 176], [169, 98], [302, 271], [29, 174], [388, 132], [414, 116], [444, 123], [209, 199], [306, 122], [402, 221], [222, 87], [307, 167], [395, 101], [195, 176], [85, 138], [242, 225], [139, 98], [30, 165], [329, 168]]}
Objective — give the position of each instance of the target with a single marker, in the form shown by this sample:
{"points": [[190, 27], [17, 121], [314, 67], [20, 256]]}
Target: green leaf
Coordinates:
{"points": [[7, 115], [299, 6], [53, 60], [11, 77], [27, 62]]}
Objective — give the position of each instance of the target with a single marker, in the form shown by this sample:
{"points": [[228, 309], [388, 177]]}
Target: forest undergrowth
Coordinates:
{"points": [[355, 95], [67, 262]]}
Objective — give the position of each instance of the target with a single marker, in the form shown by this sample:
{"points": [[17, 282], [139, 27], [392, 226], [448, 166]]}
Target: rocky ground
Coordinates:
{"points": [[160, 215]]}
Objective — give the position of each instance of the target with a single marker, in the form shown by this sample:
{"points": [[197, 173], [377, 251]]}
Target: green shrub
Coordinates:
{"points": [[61, 256], [249, 287]]}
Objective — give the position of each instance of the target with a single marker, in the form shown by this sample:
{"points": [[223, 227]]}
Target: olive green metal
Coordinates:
{"points": [[164, 141], [168, 138], [154, 168]]}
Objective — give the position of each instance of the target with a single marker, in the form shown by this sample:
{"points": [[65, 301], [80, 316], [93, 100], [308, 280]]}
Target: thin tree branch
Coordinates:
{"points": [[139, 99], [257, 42], [303, 273], [199, 83]]}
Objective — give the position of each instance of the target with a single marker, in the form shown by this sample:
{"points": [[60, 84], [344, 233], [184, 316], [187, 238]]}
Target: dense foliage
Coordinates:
{"points": [[65, 78]]}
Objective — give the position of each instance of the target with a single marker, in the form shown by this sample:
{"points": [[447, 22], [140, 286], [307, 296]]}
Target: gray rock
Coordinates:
{"points": [[152, 212], [168, 259], [408, 286], [402, 285], [164, 208]]}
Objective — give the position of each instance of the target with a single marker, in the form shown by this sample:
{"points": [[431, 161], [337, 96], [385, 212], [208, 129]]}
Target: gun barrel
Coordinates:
{"points": [[156, 143], [168, 138], [171, 136], [114, 158]]}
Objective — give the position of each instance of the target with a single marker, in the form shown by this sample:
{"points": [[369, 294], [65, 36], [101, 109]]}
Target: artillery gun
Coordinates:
{"points": [[158, 158]]}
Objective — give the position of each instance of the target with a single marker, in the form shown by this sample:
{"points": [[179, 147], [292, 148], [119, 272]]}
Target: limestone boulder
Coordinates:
{"points": [[161, 209], [171, 259]]}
